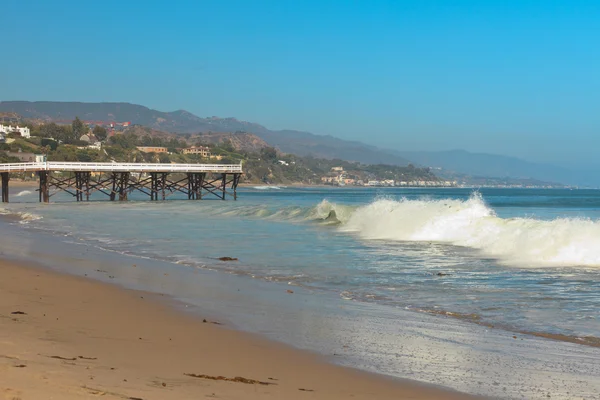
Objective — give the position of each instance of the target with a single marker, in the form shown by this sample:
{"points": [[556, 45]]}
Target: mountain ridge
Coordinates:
{"points": [[300, 142], [499, 166], [182, 121]]}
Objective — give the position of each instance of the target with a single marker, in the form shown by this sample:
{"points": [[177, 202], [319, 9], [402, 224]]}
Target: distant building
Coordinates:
{"points": [[329, 180], [199, 150], [337, 169], [22, 130], [90, 138], [27, 157], [2, 138], [152, 149]]}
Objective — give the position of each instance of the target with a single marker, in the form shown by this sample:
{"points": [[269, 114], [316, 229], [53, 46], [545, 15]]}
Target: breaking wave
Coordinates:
{"points": [[471, 223], [23, 193], [267, 187], [521, 242], [23, 217]]}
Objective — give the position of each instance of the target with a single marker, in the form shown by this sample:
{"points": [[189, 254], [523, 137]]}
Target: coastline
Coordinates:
{"points": [[91, 338], [390, 342]]}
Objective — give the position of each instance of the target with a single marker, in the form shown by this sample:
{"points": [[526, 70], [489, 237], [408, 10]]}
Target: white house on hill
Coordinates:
{"points": [[22, 130]]}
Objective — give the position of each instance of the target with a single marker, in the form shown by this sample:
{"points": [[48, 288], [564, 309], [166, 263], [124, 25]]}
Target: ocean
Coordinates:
{"points": [[489, 291]]}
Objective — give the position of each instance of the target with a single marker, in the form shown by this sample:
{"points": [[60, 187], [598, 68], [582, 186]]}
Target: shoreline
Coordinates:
{"points": [[91, 338], [443, 352]]}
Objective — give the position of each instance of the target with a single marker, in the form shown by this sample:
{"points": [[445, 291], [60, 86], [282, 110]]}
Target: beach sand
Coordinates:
{"points": [[18, 183], [66, 337]]}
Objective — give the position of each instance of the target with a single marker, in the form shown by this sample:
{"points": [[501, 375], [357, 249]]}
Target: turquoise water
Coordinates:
{"points": [[522, 261]]}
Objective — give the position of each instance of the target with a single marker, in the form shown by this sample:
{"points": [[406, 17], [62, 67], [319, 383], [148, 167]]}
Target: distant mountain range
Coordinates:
{"points": [[180, 121], [493, 165], [302, 143]]}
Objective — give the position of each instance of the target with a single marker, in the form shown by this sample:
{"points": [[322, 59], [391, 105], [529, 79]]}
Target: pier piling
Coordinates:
{"points": [[44, 188], [5, 179]]}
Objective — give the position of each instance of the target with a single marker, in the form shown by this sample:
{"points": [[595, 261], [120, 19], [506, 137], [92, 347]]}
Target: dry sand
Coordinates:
{"points": [[80, 339]]}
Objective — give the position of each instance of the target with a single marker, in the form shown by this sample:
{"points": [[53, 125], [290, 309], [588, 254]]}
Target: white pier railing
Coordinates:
{"points": [[119, 167]]}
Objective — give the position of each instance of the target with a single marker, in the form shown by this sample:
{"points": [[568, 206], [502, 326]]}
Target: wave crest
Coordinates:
{"points": [[471, 223]]}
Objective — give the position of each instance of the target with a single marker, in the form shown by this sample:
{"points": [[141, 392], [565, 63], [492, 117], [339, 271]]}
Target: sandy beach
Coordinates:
{"points": [[65, 337], [18, 183]]}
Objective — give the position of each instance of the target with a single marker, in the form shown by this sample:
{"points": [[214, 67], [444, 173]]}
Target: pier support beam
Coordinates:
{"points": [[191, 186], [234, 184], [5, 179], [158, 184], [123, 183], [82, 185], [154, 186], [195, 184], [113, 190], [44, 187], [163, 186], [200, 178], [223, 185], [120, 184]]}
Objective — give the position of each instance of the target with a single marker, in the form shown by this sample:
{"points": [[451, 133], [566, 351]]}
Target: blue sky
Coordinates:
{"points": [[509, 77]]}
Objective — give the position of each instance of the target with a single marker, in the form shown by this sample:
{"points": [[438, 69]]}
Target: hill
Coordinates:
{"points": [[246, 142], [181, 121], [240, 141], [497, 166], [297, 142]]}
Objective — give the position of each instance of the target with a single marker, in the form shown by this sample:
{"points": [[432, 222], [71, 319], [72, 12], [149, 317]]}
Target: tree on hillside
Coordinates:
{"points": [[79, 128], [268, 154], [50, 143], [227, 146], [100, 132], [50, 130], [126, 141], [164, 158]]}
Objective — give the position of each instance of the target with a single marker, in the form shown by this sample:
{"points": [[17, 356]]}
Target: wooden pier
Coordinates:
{"points": [[118, 180]]}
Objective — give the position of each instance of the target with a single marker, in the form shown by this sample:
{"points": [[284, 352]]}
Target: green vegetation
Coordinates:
{"points": [[294, 169], [100, 133], [268, 165]]}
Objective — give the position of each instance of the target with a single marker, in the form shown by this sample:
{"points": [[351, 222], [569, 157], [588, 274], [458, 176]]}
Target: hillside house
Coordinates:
{"points": [[22, 130], [199, 150], [152, 149], [27, 157], [90, 138]]}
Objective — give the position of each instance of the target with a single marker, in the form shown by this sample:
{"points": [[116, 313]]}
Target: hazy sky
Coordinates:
{"points": [[511, 77]]}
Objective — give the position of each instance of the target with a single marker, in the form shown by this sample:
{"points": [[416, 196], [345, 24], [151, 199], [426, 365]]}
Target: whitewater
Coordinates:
{"points": [[523, 242]]}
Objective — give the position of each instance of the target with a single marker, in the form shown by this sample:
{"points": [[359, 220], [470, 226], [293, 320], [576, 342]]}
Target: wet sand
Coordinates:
{"points": [[66, 337], [18, 183]]}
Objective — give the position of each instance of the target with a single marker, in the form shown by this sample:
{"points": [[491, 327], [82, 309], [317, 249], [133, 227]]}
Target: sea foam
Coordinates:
{"points": [[523, 242]]}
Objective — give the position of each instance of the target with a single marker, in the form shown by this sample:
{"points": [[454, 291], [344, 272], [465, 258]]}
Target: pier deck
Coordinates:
{"points": [[118, 180]]}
